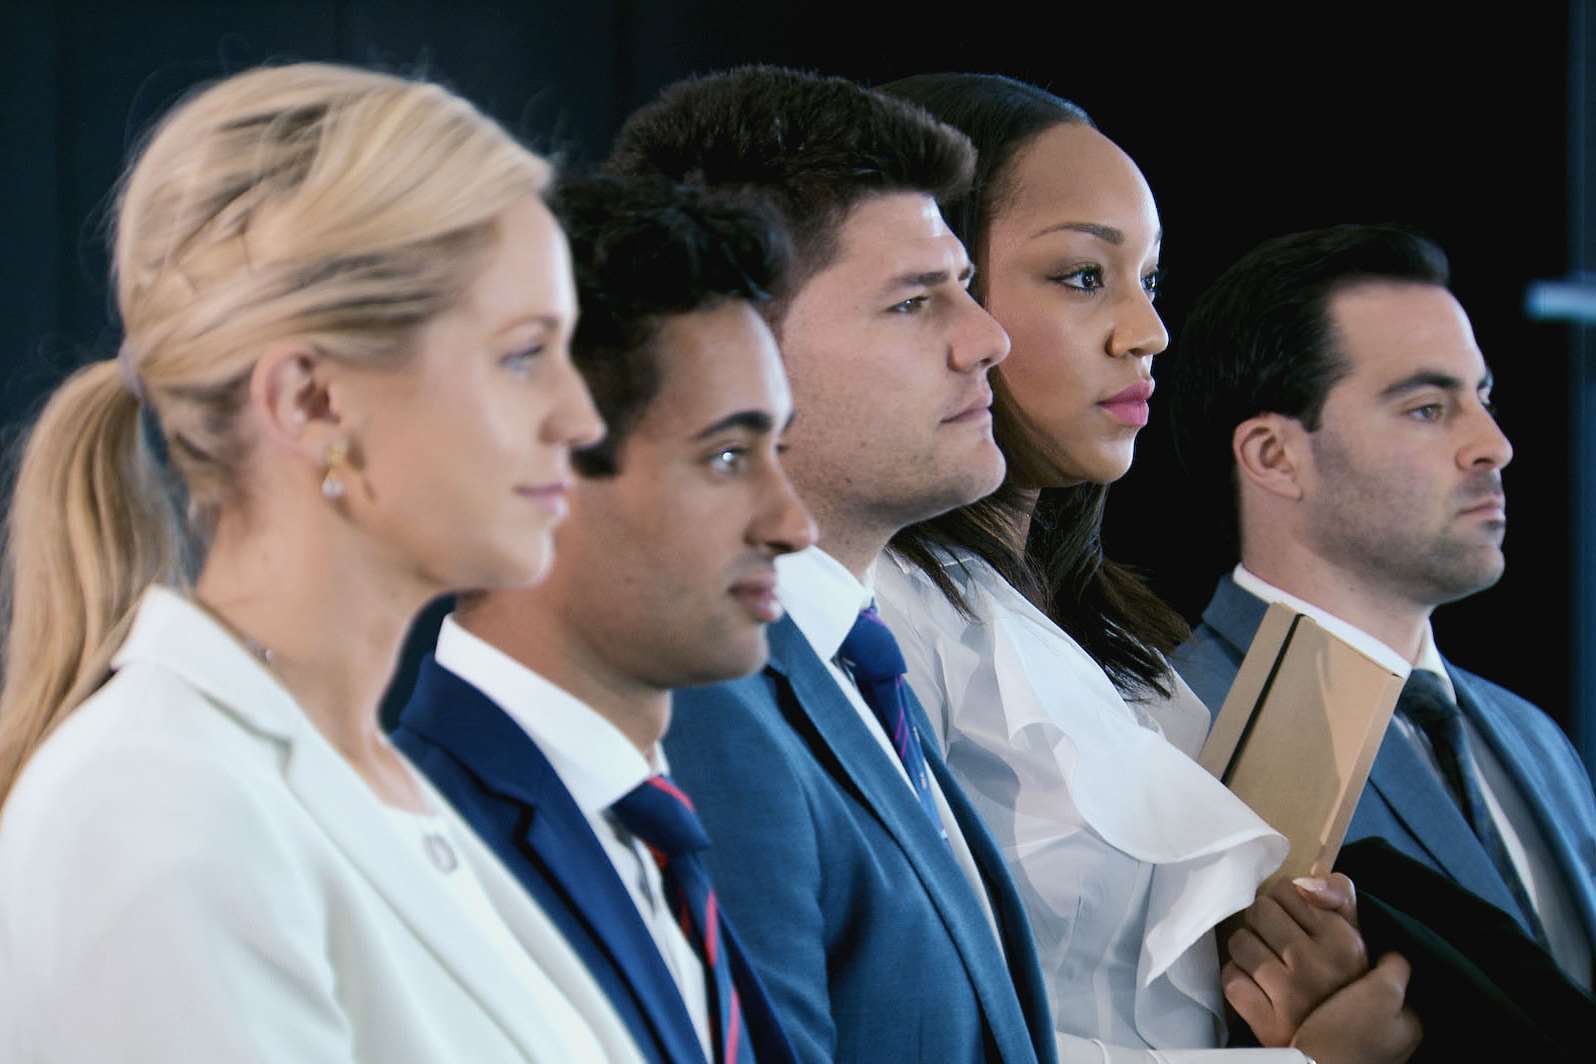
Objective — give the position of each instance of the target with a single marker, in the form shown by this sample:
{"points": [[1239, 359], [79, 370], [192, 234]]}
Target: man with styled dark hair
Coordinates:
{"points": [[1332, 385], [829, 146], [541, 713], [1263, 340], [874, 903]]}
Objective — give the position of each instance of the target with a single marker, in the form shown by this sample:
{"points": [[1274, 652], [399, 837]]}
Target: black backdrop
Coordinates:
{"points": [[1246, 124]]}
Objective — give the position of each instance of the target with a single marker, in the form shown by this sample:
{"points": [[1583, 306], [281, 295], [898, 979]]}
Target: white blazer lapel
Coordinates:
{"points": [[178, 635], [533, 929], [348, 812]]}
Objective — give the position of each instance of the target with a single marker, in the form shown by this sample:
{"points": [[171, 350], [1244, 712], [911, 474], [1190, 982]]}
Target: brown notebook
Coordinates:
{"points": [[1298, 733]]}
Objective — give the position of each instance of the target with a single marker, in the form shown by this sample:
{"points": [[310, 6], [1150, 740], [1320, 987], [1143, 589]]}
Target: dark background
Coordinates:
{"points": [[1247, 125]]}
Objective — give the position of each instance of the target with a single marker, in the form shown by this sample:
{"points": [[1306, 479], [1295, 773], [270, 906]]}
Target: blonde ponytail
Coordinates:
{"points": [[89, 528], [338, 207]]}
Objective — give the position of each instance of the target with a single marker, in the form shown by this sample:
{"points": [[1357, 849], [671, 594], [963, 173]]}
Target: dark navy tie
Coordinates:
{"points": [[872, 655], [1425, 703], [657, 812]]}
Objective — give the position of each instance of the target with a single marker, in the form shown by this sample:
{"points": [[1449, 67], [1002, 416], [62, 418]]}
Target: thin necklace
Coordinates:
{"points": [[257, 648], [435, 844]]}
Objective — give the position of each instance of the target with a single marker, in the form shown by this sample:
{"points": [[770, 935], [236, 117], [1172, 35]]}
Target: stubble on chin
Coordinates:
{"points": [[1466, 556], [1425, 565], [1384, 529], [978, 476], [1461, 565]]}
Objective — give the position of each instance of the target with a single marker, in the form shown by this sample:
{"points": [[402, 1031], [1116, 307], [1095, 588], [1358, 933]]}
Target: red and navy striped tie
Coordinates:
{"points": [[872, 655], [664, 818]]}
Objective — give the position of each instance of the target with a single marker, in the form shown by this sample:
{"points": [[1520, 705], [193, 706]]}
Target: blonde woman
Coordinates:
{"points": [[344, 389]]}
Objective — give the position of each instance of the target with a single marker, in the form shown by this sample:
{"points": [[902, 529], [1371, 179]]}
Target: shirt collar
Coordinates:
{"points": [[1429, 657], [595, 761], [822, 597]]}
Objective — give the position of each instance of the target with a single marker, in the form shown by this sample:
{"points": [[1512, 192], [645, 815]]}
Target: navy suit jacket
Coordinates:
{"points": [[1405, 802], [853, 908], [500, 782]]}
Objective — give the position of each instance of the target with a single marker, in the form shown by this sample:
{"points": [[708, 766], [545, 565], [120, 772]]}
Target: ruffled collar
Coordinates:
{"points": [[1131, 786]]}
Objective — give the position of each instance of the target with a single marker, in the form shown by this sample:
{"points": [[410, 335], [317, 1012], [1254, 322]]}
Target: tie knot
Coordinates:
{"points": [[870, 650], [1424, 700], [659, 813]]}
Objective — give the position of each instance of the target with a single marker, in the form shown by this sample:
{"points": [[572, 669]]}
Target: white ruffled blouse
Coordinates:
{"points": [[1126, 852]]}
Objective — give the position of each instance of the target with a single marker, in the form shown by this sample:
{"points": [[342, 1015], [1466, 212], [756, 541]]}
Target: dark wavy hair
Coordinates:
{"points": [[644, 250], [1260, 339], [1106, 607], [815, 147]]}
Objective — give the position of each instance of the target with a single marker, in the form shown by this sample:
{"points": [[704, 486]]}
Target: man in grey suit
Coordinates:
{"points": [[1331, 383], [874, 904]]}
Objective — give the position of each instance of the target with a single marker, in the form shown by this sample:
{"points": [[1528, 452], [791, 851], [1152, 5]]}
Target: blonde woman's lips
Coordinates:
{"points": [[553, 496]]}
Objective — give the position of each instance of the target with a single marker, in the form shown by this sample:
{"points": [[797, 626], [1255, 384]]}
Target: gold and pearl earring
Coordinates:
{"points": [[332, 485]]}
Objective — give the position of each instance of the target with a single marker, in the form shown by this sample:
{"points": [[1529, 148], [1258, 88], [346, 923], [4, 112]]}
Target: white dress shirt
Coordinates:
{"points": [[1126, 851], [190, 872], [598, 766], [1526, 845], [824, 599]]}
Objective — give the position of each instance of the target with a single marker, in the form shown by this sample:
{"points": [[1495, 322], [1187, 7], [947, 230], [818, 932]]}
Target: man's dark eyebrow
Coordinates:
{"points": [[752, 420], [929, 279], [918, 280], [1427, 378]]}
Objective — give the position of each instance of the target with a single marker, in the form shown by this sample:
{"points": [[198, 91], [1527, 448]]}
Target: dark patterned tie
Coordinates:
{"points": [[657, 812], [872, 655], [1426, 705]]}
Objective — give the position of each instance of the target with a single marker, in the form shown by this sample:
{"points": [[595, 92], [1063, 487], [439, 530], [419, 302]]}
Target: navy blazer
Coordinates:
{"points": [[853, 908], [501, 783], [1405, 802]]}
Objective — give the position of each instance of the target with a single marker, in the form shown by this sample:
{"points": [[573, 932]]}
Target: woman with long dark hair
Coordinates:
{"points": [[1040, 662]]}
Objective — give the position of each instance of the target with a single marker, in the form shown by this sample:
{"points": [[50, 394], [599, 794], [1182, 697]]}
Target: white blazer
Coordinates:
{"points": [[190, 873]]}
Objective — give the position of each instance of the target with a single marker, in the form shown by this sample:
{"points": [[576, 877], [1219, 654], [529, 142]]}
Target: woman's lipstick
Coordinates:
{"points": [[552, 496], [1129, 407]]}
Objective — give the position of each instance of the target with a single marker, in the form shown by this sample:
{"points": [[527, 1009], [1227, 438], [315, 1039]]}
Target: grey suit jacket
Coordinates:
{"points": [[1405, 802]]}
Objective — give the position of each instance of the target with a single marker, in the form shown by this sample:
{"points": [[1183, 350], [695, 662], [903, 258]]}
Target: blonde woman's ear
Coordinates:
{"points": [[291, 401]]}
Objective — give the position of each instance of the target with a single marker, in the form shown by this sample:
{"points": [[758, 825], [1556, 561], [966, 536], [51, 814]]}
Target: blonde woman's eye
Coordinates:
{"points": [[519, 361], [1152, 282]]}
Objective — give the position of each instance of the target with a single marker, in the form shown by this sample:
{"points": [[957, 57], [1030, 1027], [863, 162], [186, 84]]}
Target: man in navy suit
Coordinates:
{"points": [[872, 899], [540, 715], [1331, 382]]}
